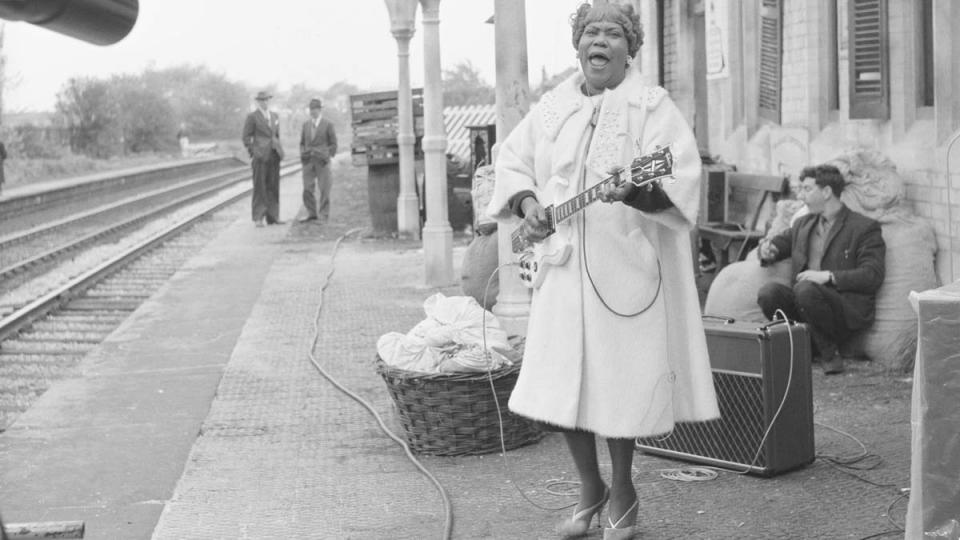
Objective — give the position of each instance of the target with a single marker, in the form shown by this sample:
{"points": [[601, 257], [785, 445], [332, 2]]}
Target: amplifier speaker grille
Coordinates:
{"points": [[735, 436]]}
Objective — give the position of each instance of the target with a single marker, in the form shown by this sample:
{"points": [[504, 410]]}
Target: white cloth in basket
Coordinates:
{"points": [[450, 338]]}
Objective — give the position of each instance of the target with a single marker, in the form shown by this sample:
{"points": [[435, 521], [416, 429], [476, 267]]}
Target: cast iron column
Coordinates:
{"points": [[402, 16], [437, 233]]}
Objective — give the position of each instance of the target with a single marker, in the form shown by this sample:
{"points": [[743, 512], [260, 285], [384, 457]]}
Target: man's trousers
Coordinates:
{"points": [[266, 188], [316, 190]]}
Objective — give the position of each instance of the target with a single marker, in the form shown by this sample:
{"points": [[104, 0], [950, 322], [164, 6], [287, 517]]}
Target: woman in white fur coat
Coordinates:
{"points": [[615, 345]]}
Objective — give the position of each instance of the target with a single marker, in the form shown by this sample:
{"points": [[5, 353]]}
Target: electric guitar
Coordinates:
{"points": [[537, 258]]}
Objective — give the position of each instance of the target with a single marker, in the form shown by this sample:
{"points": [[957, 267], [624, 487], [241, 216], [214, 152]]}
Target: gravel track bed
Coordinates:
{"points": [[23, 291]]}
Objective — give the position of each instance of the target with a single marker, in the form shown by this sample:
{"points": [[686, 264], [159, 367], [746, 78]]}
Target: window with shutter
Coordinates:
{"points": [[661, 45], [869, 72], [925, 65], [771, 59]]}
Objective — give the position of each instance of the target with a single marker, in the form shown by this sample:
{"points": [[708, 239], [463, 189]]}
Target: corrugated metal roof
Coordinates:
{"points": [[456, 121]]}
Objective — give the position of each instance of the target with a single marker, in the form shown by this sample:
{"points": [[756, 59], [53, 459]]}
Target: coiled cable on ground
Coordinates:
{"points": [[447, 506]]}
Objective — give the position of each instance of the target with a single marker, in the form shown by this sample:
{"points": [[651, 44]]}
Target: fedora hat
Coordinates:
{"points": [[316, 103], [263, 95]]}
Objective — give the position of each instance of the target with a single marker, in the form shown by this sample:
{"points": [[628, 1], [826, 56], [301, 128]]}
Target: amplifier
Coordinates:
{"points": [[766, 411]]}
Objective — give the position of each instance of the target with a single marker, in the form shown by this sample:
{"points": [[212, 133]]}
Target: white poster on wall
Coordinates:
{"points": [[716, 21]]}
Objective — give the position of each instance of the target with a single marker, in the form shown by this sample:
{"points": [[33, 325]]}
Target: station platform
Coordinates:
{"points": [[202, 417]]}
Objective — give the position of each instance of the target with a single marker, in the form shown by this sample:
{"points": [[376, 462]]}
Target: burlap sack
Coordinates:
{"points": [[875, 189], [480, 260], [892, 339]]}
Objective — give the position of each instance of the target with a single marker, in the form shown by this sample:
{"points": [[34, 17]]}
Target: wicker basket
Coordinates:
{"points": [[453, 414]]}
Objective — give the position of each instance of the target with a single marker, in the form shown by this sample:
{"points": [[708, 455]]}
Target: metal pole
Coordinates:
{"points": [[402, 14]]}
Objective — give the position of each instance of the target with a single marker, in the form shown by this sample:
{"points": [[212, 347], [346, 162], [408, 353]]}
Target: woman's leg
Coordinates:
{"points": [[622, 492], [583, 449]]}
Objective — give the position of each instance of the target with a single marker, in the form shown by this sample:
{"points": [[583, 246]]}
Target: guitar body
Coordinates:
{"points": [[536, 261]]}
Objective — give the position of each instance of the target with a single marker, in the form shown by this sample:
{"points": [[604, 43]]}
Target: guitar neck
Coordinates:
{"points": [[568, 209]]}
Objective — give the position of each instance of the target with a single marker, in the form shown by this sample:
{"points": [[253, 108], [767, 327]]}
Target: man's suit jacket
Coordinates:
{"points": [[261, 136], [854, 251], [318, 145]]}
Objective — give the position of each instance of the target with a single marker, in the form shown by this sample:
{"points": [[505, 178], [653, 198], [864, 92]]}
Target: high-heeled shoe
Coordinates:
{"points": [[579, 524], [625, 527]]}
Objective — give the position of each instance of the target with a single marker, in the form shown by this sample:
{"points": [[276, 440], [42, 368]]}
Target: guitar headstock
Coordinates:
{"points": [[653, 166]]}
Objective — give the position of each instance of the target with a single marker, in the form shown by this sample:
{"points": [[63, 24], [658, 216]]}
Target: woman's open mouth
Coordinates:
{"points": [[598, 60]]}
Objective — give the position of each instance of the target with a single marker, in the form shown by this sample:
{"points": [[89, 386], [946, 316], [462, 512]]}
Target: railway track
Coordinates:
{"points": [[44, 335], [28, 248]]}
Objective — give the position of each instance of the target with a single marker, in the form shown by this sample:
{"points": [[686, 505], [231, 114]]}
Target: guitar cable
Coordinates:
{"points": [[447, 505], [596, 290]]}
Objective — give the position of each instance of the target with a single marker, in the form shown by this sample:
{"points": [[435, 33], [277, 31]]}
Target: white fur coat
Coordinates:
{"points": [[591, 362]]}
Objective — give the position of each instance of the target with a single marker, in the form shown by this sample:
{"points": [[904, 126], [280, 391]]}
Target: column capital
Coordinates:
{"points": [[402, 35], [403, 14], [431, 9]]}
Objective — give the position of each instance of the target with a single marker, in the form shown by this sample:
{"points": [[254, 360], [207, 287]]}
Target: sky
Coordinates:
{"points": [[277, 43]]}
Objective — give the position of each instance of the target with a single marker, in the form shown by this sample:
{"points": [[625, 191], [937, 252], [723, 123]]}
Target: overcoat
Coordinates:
{"points": [[853, 250], [615, 342]]}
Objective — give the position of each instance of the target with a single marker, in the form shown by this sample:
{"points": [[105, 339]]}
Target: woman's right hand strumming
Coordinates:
{"points": [[535, 225]]}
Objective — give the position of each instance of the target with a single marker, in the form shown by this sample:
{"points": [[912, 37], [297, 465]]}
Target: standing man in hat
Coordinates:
{"points": [[261, 136], [318, 144]]}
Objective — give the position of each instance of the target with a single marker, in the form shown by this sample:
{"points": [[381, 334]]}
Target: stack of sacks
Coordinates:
{"points": [[875, 189], [457, 335]]}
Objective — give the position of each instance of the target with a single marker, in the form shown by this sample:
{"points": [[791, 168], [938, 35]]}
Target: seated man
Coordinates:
{"points": [[837, 262]]}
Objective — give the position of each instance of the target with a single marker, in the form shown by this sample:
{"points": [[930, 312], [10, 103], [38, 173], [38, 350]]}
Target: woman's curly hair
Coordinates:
{"points": [[622, 14]]}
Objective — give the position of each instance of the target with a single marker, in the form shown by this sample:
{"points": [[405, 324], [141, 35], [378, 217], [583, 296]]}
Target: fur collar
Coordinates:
{"points": [[562, 105]]}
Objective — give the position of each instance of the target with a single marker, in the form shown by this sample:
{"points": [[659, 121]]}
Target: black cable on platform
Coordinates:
{"points": [[447, 506]]}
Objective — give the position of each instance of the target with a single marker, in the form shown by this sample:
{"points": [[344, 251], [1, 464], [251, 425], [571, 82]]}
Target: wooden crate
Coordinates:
{"points": [[375, 127]]}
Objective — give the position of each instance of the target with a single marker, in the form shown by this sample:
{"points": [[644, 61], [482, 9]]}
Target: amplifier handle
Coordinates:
{"points": [[777, 322], [725, 320]]}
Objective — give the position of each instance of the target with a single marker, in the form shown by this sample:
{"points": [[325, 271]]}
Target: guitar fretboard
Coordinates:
{"points": [[562, 212]]}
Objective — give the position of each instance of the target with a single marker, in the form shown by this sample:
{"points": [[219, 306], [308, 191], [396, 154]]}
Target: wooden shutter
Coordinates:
{"points": [[869, 71], [771, 59]]}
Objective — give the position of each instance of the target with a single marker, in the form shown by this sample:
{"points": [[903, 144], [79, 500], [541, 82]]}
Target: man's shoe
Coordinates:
{"points": [[307, 218], [258, 223], [833, 365]]}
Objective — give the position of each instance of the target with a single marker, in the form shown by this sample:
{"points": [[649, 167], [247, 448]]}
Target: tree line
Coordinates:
{"points": [[126, 114], [134, 113]]}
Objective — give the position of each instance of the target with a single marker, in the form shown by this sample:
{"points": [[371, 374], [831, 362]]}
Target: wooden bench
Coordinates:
{"points": [[746, 197]]}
